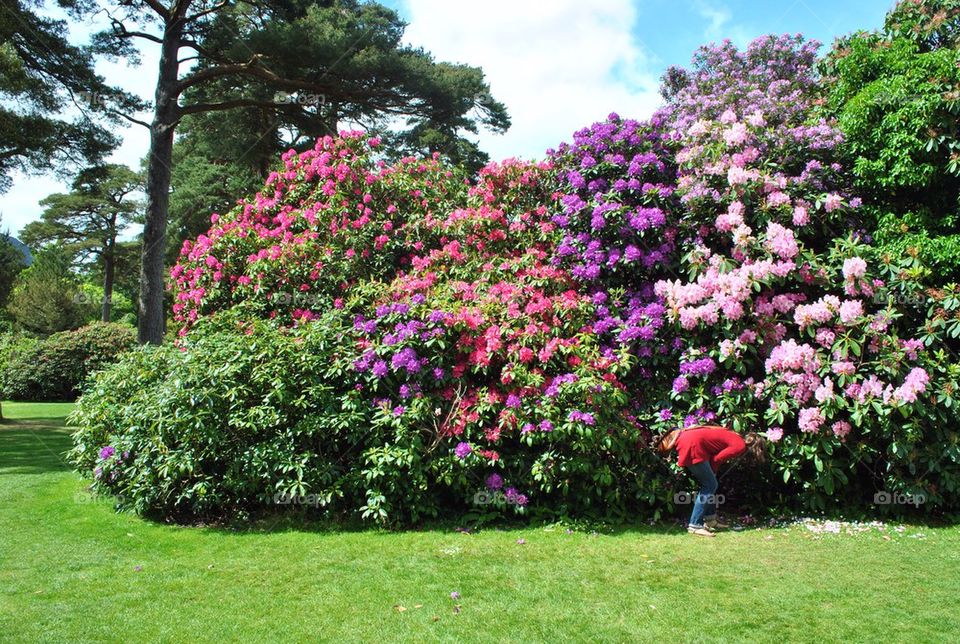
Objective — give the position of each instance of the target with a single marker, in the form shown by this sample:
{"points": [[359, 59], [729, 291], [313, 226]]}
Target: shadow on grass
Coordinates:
{"points": [[34, 446]]}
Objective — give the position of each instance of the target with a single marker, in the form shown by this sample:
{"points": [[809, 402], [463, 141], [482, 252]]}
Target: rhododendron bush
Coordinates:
{"points": [[396, 341]]}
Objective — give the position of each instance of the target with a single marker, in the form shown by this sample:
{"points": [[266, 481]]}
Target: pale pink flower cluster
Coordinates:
{"points": [[782, 303], [824, 392], [729, 348], [801, 216], [832, 202], [774, 434], [736, 135], [872, 387], [854, 268], [728, 117], [810, 419], [781, 241], [911, 347], [699, 128], [915, 384], [742, 236], [841, 428], [756, 119], [777, 198], [731, 219], [819, 312], [825, 338], [728, 291], [844, 368], [790, 356], [850, 310], [738, 176]]}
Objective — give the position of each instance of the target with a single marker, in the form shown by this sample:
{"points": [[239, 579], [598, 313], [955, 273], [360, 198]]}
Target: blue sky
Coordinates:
{"points": [[558, 65]]}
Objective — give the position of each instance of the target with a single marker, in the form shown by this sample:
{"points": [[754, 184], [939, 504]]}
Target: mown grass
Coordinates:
{"points": [[72, 570]]}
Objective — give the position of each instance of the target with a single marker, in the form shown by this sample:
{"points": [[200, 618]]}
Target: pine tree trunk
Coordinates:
{"points": [[109, 263], [166, 113]]}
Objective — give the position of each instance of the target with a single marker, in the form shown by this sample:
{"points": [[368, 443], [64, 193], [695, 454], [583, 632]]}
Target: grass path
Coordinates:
{"points": [[72, 570]]}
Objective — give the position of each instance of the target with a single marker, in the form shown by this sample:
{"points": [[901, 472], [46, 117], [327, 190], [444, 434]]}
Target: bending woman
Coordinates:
{"points": [[700, 450]]}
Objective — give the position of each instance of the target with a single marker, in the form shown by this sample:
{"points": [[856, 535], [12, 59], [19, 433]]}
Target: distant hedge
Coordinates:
{"points": [[56, 367]]}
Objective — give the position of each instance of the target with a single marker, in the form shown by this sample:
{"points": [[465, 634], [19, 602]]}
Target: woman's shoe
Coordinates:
{"points": [[700, 532], [716, 524]]}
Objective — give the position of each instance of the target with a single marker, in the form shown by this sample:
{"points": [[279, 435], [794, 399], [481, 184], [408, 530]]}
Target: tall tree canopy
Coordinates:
{"points": [[300, 68], [87, 221], [41, 74]]}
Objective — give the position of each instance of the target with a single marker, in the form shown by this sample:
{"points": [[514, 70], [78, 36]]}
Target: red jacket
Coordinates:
{"points": [[708, 443]]}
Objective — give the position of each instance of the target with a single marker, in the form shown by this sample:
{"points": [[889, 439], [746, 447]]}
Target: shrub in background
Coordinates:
{"points": [[55, 368]]}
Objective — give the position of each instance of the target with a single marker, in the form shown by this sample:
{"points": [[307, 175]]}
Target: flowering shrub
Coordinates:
{"points": [[779, 308], [330, 217], [392, 341]]}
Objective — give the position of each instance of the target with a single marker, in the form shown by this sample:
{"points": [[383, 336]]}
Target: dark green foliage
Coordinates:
{"points": [[896, 95], [11, 264], [46, 297], [40, 74], [55, 368]]}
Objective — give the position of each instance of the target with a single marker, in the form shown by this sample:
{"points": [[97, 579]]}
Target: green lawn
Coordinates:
{"points": [[72, 570]]}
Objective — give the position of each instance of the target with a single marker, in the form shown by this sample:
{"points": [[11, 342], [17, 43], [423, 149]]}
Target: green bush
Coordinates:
{"points": [[234, 424], [55, 368]]}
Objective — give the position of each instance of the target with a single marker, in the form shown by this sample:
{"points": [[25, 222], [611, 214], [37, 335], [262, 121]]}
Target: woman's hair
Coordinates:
{"points": [[668, 441], [756, 447]]}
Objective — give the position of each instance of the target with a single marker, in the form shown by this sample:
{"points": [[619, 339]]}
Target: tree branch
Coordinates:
{"points": [[130, 118], [227, 105], [205, 12], [162, 11], [120, 31], [252, 69]]}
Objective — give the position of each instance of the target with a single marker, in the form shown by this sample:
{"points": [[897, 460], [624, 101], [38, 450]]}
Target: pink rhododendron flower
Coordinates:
{"points": [[915, 384], [854, 267], [850, 311], [774, 434], [841, 428], [843, 368], [832, 202], [810, 419]]}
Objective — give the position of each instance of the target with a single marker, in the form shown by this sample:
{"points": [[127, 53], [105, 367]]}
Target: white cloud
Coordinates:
{"points": [[718, 27], [558, 65]]}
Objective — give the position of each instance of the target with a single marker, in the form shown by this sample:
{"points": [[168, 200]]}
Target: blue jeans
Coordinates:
{"points": [[705, 505]]}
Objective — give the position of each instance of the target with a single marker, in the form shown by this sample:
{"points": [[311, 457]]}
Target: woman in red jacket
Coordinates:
{"points": [[700, 450]]}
